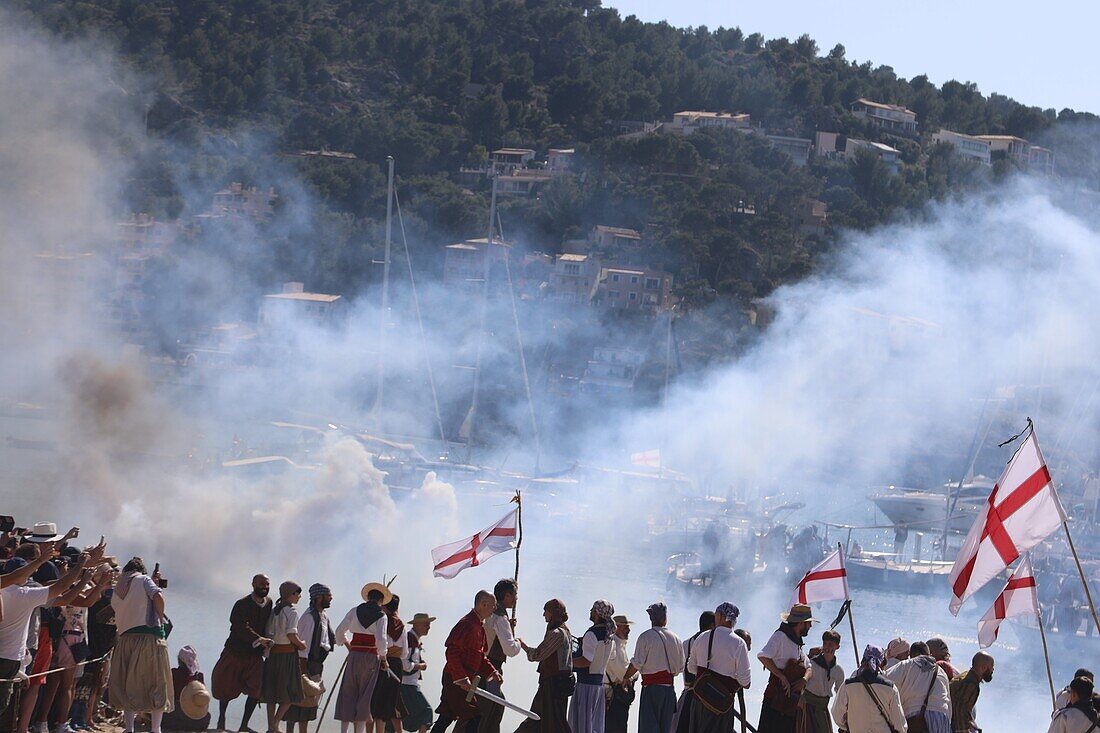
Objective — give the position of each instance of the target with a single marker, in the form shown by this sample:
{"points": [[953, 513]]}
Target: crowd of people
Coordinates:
{"points": [[84, 641]]}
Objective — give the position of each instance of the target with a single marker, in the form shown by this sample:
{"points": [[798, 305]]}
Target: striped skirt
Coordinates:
{"points": [[357, 687], [587, 709]]}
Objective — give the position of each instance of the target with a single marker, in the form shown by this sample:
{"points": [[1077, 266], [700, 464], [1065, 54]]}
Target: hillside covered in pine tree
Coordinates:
{"points": [[249, 86]]}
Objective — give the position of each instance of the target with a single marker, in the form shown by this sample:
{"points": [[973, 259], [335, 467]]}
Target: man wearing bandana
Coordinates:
{"points": [[723, 652], [867, 701], [789, 669], [587, 709], [316, 631], [239, 670]]}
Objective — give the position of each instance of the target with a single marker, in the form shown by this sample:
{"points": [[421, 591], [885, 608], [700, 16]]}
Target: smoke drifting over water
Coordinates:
{"points": [[875, 369], [889, 354]]}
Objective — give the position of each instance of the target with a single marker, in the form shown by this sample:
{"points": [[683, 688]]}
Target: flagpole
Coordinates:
{"points": [[1046, 657], [852, 626], [518, 499], [851, 621], [1077, 560]]}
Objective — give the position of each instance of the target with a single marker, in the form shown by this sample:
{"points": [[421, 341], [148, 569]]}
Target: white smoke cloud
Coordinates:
{"points": [[877, 365]]}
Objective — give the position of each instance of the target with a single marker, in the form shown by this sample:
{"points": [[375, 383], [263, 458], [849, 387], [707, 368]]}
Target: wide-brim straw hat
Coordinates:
{"points": [[387, 594], [422, 618], [623, 620], [313, 689], [799, 613], [195, 700], [43, 532]]}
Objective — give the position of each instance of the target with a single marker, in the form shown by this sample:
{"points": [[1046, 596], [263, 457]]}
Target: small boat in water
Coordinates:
{"points": [[883, 570]]}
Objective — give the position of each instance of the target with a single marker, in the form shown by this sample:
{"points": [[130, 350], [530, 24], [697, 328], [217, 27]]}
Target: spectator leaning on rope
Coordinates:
{"points": [[21, 601], [71, 647]]}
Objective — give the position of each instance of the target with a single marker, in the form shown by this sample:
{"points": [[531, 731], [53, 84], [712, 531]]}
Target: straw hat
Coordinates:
{"points": [[43, 532], [312, 690], [422, 618], [799, 613], [387, 595], [195, 700], [622, 620]]}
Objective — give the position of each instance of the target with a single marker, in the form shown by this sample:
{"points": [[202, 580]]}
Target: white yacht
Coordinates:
{"points": [[926, 509]]}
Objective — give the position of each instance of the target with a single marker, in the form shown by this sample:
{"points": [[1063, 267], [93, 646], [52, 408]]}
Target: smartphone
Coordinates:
{"points": [[161, 582], [7, 523]]}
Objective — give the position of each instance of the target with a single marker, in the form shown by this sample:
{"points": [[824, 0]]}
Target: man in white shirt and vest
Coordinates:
{"points": [[619, 688], [659, 657], [826, 678], [502, 643], [789, 669]]}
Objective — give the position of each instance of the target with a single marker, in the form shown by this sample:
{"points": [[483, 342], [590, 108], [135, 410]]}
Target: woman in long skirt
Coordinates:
{"points": [[282, 684], [554, 657]]}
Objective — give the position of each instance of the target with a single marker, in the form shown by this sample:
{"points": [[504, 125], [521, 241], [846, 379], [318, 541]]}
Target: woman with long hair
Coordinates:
{"points": [[555, 659]]}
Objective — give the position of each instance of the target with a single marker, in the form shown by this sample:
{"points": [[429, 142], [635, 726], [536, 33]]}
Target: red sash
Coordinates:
{"points": [[663, 677], [363, 643]]}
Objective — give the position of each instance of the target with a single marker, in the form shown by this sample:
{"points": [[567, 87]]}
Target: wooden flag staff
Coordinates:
{"points": [[1084, 583], [1046, 657], [518, 500], [851, 621]]}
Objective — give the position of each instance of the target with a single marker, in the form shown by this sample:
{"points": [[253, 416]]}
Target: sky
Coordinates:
{"points": [[1040, 55]]}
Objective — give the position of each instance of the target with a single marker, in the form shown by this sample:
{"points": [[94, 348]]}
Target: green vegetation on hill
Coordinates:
{"points": [[437, 84]]}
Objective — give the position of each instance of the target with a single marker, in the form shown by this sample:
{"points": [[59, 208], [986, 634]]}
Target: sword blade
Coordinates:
{"points": [[504, 703]]}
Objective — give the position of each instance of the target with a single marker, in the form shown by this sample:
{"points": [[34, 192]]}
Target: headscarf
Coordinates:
{"points": [[658, 613], [895, 647], [605, 614], [730, 611], [287, 589], [873, 659], [937, 647], [558, 614], [317, 590], [189, 659]]}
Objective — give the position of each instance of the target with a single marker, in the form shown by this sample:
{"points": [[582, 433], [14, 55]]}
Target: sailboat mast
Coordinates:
{"points": [[385, 294], [472, 416]]}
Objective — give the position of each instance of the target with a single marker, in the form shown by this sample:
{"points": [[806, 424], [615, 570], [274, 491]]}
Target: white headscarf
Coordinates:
{"points": [[189, 659]]}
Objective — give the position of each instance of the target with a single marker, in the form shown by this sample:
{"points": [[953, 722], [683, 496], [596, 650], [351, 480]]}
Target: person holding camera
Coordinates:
{"points": [[141, 673]]}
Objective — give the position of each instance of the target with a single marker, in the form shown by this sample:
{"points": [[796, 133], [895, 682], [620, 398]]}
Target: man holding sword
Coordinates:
{"points": [[467, 658]]}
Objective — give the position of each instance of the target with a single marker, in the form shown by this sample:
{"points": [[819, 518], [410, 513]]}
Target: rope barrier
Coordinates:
{"points": [[25, 677]]}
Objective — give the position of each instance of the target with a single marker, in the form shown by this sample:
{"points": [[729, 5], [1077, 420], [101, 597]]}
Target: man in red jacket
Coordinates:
{"points": [[466, 658]]}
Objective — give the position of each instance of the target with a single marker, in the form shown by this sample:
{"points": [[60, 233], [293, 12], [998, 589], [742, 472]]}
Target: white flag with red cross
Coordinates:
{"points": [[827, 581], [1019, 598], [1022, 510], [453, 558]]}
